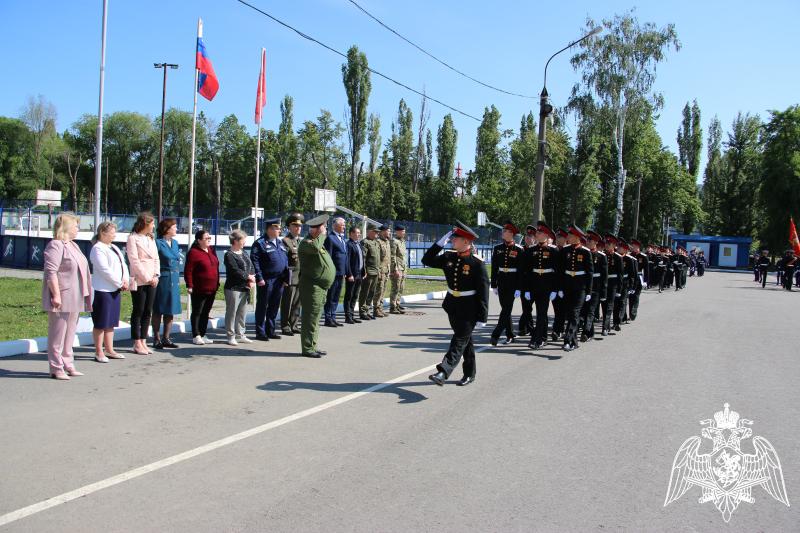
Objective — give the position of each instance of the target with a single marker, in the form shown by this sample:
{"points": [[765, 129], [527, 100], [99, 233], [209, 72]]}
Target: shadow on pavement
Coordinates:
{"points": [[403, 395]]}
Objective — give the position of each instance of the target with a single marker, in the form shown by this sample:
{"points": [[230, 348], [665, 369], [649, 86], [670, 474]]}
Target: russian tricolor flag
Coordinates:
{"points": [[207, 83]]}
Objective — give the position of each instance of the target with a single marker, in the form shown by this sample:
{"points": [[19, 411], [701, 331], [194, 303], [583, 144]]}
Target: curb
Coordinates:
{"points": [[123, 332]]}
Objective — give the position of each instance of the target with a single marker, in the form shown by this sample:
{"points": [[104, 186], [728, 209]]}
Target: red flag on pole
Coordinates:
{"points": [[261, 92], [793, 240]]}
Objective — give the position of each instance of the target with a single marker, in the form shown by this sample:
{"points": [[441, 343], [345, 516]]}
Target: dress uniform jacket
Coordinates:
{"points": [[600, 274], [643, 267], [467, 283], [541, 265], [506, 266], [576, 268], [616, 271], [269, 261], [631, 274]]}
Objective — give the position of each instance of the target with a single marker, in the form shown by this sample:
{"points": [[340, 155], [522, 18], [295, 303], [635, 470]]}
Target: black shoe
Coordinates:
{"points": [[274, 336], [568, 347], [158, 345], [438, 378], [322, 352], [523, 333], [349, 321], [262, 338], [167, 343], [364, 318], [338, 324], [584, 337], [330, 324], [535, 345], [357, 321], [494, 340], [509, 340], [313, 355], [287, 332], [466, 380], [604, 332], [617, 328]]}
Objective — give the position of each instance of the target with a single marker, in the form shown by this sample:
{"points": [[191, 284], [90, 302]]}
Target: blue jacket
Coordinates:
{"points": [[269, 261], [354, 252], [338, 252]]}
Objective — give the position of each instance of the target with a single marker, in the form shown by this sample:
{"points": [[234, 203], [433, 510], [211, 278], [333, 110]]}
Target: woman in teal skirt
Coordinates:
{"points": [[168, 293]]}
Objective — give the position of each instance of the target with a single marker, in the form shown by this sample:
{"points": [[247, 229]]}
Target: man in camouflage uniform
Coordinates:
{"points": [[372, 266], [397, 267], [380, 288], [316, 277], [290, 303]]}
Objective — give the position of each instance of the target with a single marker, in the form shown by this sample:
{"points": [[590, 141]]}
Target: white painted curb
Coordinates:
{"points": [[123, 332]]}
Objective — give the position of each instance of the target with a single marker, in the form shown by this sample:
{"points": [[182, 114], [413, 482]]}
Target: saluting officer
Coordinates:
{"points": [[317, 273], [506, 260], [599, 284], [576, 282], [526, 318], [615, 273], [290, 301], [540, 269], [467, 300], [271, 265]]}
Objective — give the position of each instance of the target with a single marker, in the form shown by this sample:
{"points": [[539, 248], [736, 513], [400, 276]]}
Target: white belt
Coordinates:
{"points": [[624, 275], [612, 275], [503, 269], [597, 275], [458, 294], [542, 270], [574, 273]]}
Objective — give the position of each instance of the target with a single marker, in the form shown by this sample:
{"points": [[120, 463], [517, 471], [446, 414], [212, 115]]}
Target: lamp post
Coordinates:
{"points": [[163, 66], [545, 109]]}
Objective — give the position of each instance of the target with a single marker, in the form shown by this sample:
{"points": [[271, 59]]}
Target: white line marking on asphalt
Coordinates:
{"points": [[49, 503]]}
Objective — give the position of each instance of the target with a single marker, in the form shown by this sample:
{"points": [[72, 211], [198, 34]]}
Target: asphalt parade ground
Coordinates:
{"points": [[255, 438]]}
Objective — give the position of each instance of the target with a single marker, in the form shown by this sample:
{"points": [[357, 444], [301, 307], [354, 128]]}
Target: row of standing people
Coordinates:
{"points": [[786, 268]]}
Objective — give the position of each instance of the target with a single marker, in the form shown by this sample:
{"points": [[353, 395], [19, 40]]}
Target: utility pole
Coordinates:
{"points": [[98, 173], [163, 66], [636, 209]]}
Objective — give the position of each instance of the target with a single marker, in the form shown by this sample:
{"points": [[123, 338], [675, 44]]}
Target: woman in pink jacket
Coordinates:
{"points": [[66, 292], [145, 271]]}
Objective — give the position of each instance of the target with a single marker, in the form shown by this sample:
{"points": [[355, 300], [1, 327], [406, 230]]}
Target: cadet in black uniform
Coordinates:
{"points": [[506, 259], [526, 319], [642, 271], [660, 268], [615, 273], [787, 265], [558, 303], [599, 285], [761, 265], [540, 268], [628, 273], [576, 282], [467, 300]]}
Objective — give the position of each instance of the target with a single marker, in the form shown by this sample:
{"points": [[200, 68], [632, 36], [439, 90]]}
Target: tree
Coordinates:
{"points": [[741, 175], [357, 85], [401, 147], [16, 154], [619, 70], [286, 154], [491, 167], [446, 143], [780, 188], [40, 116], [690, 139], [713, 187]]}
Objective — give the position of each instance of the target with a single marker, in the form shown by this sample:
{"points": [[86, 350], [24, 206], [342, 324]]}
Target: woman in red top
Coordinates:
{"points": [[202, 281]]}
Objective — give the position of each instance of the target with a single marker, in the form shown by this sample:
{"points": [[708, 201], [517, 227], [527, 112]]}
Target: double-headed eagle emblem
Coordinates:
{"points": [[726, 476]]}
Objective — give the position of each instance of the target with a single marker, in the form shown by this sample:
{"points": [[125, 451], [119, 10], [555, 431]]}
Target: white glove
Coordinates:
{"points": [[588, 297], [481, 324], [516, 294], [527, 295], [560, 294], [617, 295], [441, 242], [602, 299], [552, 296], [631, 291], [495, 291]]}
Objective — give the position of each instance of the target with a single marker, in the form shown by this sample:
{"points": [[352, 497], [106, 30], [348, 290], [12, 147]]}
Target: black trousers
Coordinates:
{"points": [[201, 308], [559, 316], [788, 278], [620, 305], [610, 304], [573, 302], [351, 290], [504, 323], [589, 312], [541, 299], [142, 300], [763, 273], [460, 346], [661, 278], [633, 304], [526, 319]]}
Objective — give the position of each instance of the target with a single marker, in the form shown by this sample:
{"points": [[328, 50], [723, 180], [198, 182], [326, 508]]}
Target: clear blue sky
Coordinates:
{"points": [[736, 56]]}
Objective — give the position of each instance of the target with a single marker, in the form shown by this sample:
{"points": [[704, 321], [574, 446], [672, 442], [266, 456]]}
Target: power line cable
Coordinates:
{"points": [[479, 82], [335, 51]]}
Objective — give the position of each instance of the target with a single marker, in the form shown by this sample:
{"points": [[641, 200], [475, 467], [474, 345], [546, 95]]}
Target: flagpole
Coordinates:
{"points": [[258, 174], [98, 164], [191, 166]]}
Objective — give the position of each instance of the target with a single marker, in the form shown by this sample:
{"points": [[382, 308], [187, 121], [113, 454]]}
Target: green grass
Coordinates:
{"points": [[426, 272]]}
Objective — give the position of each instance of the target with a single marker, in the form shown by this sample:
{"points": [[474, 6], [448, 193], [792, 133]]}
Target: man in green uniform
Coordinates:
{"points": [[397, 266], [372, 265], [290, 303], [316, 277], [380, 288]]}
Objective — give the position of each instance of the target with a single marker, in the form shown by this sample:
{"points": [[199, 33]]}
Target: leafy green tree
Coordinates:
{"points": [[491, 169], [690, 139], [741, 176], [357, 85], [619, 70], [405, 201], [713, 187], [286, 157], [17, 179]]}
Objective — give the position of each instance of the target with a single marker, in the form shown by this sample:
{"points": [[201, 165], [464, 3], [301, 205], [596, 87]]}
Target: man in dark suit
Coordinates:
{"points": [[337, 248], [353, 276]]}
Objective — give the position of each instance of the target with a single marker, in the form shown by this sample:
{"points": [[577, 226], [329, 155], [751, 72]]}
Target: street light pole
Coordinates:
{"points": [[545, 109], [161, 150], [636, 210]]}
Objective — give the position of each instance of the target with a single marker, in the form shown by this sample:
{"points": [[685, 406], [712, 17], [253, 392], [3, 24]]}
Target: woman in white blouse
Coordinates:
{"points": [[110, 278]]}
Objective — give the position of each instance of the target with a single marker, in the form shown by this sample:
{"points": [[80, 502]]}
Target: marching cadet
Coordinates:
{"points": [[385, 261], [788, 264], [677, 267], [599, 284], [558, 303], [541, 265], [397, 266], [701, 263], [652, 258], [290, 301], [526, 318], [271, 264], [761, 266], [506, 262], [467, 300], [317, 273], [615, 273], [756, 271], [372, 265], [640, 279], [629, 277], [576, 282]]}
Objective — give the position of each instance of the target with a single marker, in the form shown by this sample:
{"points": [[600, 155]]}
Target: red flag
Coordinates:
{"points": [[261, 92], [207, 83], [793, 240]]}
